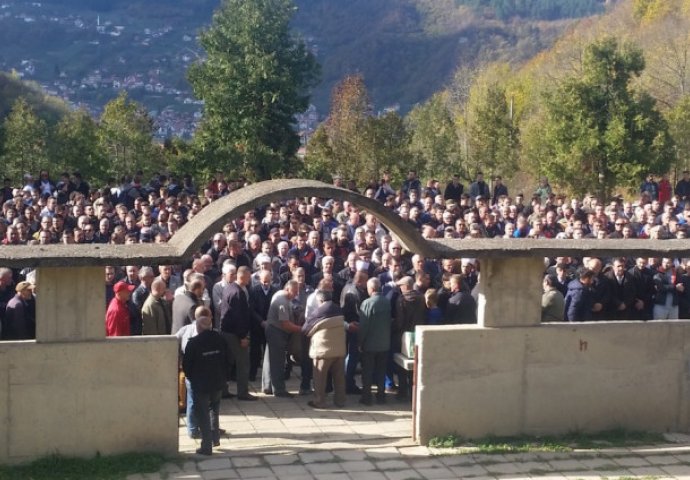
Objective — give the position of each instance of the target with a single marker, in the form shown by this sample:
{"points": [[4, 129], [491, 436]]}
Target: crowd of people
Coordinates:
{"points": [[319, 284]]}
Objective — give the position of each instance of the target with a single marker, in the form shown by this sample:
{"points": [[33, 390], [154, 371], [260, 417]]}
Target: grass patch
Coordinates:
{"points": [[565, 443], [98, 468]]}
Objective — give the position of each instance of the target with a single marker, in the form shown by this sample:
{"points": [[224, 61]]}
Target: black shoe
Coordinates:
{"points": [[227, 394], [248, 397], [216, 443], [221, 431], [196, 435], [366, 401], [283, 395], [354, 390], [305, 391], [267, 391], [201, 451], [314, 405]]}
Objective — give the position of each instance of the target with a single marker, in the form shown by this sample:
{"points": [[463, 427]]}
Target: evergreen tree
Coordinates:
{"points": [[493, 137], [76, 146], [125, 136], [255, 78], [599, 132], [434, 143], [25, 142]]}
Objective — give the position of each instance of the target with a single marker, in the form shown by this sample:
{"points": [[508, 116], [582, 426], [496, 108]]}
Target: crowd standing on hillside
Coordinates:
{"points": [[320, 284]]}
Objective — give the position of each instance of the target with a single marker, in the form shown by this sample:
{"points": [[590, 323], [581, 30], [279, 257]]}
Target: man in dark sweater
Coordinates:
{"points": [[205, 365], [235, 325]]}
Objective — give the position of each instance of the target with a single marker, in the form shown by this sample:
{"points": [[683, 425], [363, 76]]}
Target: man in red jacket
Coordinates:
{"points": [[117, 319]]}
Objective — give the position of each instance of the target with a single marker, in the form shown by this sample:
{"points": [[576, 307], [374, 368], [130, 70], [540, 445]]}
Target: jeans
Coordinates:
{"points": [[351, 361], [206, 408], [191, 421]]}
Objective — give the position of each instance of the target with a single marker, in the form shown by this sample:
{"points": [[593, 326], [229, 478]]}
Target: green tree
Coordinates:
{"points": [[25, 141], [255, 78], [76, 145], [386, 148], [434, 140], [125, 136], [493, 136], [599, 133], [679, 127]]}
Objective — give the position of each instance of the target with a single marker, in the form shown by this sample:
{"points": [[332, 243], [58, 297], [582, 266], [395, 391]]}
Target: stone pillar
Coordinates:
{"points": [[510, 292], [70, 304]]}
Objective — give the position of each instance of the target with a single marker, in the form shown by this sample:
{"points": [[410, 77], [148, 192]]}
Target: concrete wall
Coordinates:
{"points": [[552, 379], [109, 396]]}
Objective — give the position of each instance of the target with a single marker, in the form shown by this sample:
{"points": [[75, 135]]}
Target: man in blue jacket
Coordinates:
{"points": [[579, 299]]}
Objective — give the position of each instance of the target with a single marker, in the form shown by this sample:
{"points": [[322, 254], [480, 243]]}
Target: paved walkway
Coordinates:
{"points": [[284, 439]]}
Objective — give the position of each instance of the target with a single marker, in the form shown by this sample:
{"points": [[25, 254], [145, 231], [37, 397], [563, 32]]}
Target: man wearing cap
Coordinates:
{"points": [[18, 323], [117, 317]]}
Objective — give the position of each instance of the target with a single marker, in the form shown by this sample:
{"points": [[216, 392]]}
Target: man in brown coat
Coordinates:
{"points": [[156, 313]]}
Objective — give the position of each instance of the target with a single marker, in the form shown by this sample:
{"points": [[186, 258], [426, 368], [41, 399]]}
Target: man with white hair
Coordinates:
{"points": [[229, 272]]}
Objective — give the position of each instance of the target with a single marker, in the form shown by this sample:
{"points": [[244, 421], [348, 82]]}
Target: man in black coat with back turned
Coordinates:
{"points": [[235, 325], [205, 364], [260, 296], [461, 307]]}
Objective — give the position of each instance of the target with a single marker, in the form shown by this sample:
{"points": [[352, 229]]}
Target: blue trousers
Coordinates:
{"points": [[351, 361], [191, 421]]}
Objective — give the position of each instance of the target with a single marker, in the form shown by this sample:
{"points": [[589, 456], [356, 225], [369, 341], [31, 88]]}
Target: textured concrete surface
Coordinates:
{"points": [[70, 305], [77, 399], [521, 278], [553, 379]]}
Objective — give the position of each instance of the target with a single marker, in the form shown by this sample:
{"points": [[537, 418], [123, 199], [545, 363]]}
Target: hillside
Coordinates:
{"points": [[49, 108], [86, 50]]}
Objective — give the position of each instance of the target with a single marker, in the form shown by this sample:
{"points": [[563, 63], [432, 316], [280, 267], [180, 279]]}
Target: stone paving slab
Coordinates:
{"points": [[284, 439]]}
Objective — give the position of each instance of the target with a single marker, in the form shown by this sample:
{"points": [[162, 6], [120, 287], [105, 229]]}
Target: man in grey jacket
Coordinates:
{"points": [[375, 320]]}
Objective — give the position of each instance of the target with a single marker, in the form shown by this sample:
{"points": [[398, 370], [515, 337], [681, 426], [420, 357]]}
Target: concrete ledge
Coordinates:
{"points": [[81, 398], [553, 379]]}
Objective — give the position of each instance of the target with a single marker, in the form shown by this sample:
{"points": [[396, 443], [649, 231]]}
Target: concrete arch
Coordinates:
{"points": [[212, 218]]}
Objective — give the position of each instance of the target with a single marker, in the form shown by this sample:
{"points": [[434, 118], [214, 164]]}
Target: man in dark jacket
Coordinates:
{"points": [[461, 307], [235, 325], [354, 293], [625, 301], [410, 311], [260, 296], [454, 189], [578, 300], [19, 323], [205, 365], [644, 278]]}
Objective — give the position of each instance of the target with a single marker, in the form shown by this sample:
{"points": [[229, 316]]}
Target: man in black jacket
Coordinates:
{"points": [[205, 364], [461, 307], [235, 325], [260, 297]]}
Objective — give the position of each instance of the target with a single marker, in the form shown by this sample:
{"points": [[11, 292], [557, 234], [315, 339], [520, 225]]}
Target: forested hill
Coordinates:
{"points": [[406, 49]]}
